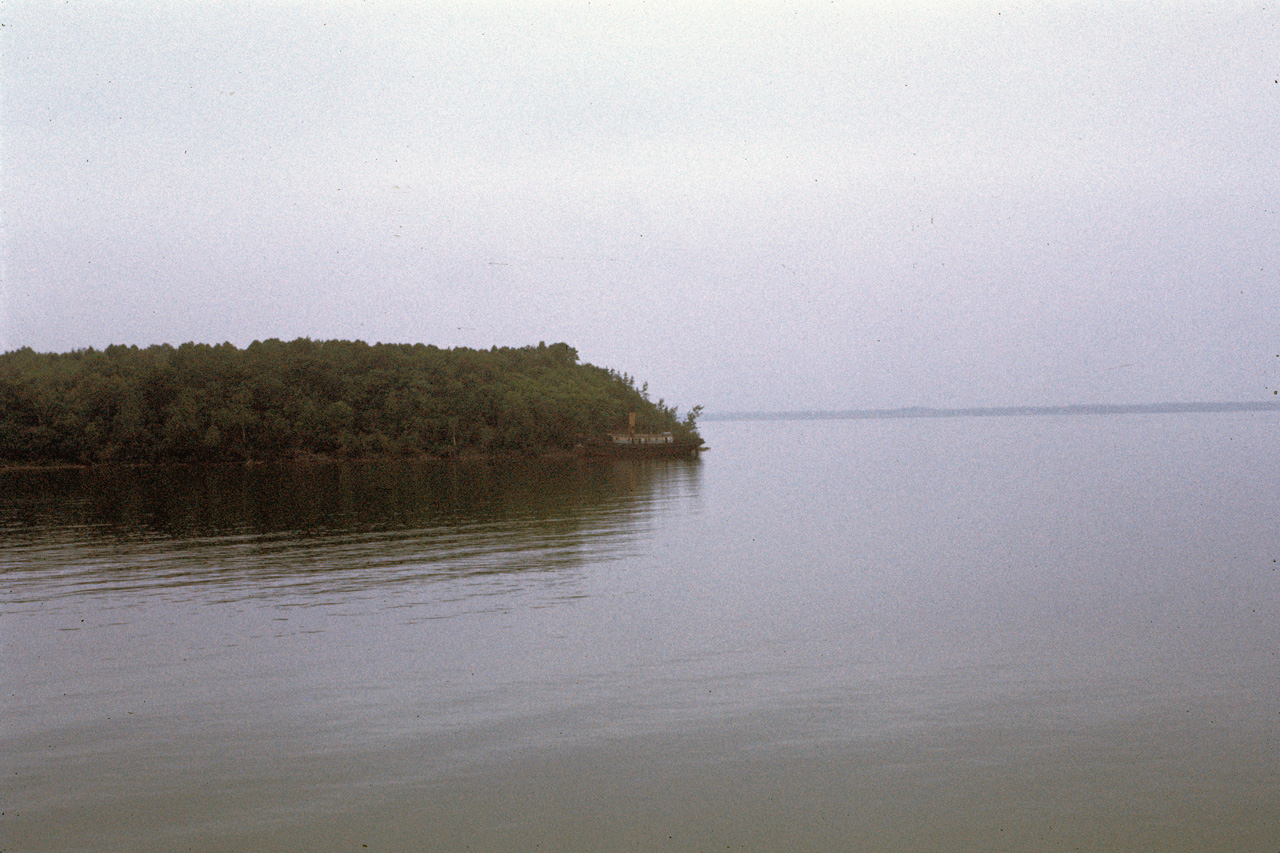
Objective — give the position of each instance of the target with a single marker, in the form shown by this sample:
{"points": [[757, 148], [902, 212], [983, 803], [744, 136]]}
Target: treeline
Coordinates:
{"points": [[275, 400]]}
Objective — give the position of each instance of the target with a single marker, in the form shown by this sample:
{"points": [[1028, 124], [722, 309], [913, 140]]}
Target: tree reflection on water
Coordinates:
{"points": [[325, 523]]}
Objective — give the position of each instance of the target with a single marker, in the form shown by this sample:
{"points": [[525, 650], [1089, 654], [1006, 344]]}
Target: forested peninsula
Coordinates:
{"points": [[278, 400]]}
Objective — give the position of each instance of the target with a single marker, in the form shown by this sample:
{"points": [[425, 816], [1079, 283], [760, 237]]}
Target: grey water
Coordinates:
{"points": [[990, 633]]}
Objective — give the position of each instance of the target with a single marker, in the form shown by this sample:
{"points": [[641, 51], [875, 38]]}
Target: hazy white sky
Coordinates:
{"points": [[751, 206]]}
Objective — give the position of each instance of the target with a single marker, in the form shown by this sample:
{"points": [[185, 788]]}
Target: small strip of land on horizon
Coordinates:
{"points": [[1000, 411]]}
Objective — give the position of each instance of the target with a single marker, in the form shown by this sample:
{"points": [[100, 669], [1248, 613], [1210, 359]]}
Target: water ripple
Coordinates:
{"points": [[394, 527]]}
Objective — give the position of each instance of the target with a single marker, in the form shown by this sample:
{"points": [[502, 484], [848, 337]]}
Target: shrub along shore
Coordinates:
{"points": [[276, 400]]}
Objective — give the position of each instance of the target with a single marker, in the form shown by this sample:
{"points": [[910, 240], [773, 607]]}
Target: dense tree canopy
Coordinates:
{"points": [[274, 399]]}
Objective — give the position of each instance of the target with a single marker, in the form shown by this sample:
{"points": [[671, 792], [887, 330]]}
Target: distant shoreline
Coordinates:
{"points": [[999, 411]]}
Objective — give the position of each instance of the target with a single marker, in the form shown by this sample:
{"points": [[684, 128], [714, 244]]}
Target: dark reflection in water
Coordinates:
{"points": [[332, 526]]}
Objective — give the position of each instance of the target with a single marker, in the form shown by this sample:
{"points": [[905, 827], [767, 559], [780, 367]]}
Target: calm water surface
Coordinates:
{"points": [[989, 633]]}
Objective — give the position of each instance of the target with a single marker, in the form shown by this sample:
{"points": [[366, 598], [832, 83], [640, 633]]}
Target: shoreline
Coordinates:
{"points": [[464, 456], [1227, 407]]}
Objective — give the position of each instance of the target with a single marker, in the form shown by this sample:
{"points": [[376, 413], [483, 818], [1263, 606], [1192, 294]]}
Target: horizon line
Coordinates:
{"points": [[998, 411]]}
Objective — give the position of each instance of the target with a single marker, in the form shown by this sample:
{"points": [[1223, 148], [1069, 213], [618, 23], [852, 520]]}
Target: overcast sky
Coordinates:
{"points": [[750, 206]]}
